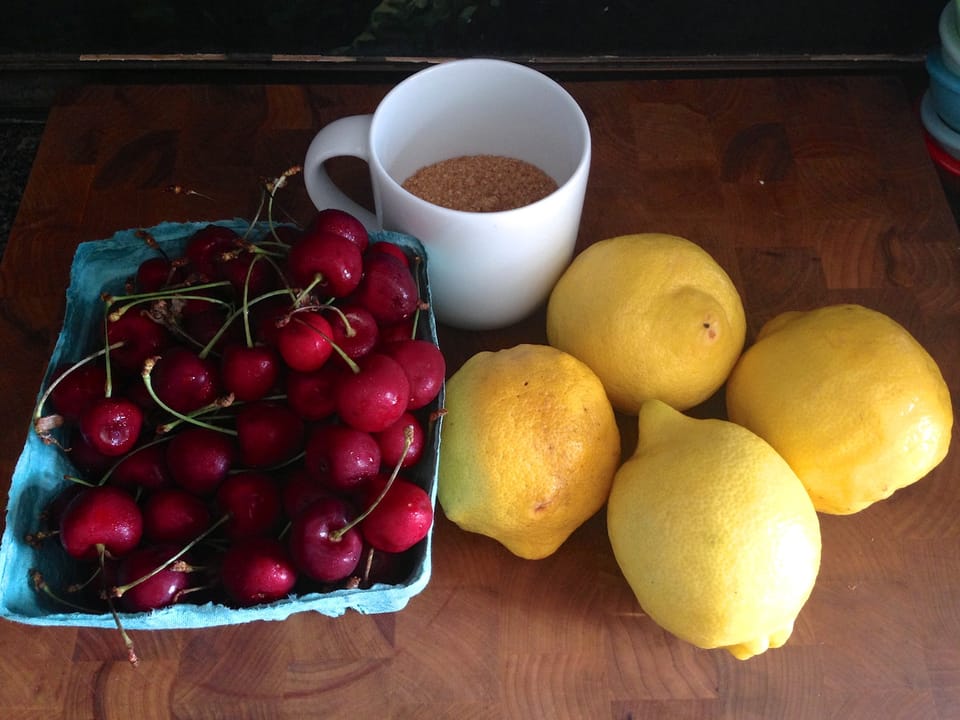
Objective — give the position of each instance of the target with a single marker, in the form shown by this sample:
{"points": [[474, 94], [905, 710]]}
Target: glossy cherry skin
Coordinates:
{"points": [[102, 515], [252, 501], [376, 396], [257, 570], [173, 515], [330, 263], [111, 425], [159, 590], [304, 342], [200, 458], [341, 223], [268, 433], [341, 457], [424, 365], [401, 519], [316, 553]]}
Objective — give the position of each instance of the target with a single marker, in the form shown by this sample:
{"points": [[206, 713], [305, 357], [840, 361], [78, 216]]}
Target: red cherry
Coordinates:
{"points": [[330, 263], [145, 467], [111, 425], [388, 289], [269, 433], [317, 549], [376, 396], [173, 515], [184, 381], [252, 501], [257, 570], [311, 395], [200, 458], [160, 589], [141, 337], [401, 519], [392, 442], [304, 342], [362, 335], [340, 222], [75, 391], [206, 248], [101, 515], [424, 365], [300, 490], [341, 457], [249, 372]]}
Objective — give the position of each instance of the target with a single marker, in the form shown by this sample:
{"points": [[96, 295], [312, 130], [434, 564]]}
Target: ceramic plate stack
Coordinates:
{"points": [[940, 107]]}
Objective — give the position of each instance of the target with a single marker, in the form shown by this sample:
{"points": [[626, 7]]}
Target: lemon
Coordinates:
{"points": [[529, 446], [653, 315], [714, 533], [849, 398]]}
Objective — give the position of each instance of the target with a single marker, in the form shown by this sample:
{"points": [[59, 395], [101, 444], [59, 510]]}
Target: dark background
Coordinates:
{"points": [[46, 45]]}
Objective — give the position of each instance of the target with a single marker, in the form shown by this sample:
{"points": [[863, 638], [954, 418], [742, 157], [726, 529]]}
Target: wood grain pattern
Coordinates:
{"points": [[808, 190]]}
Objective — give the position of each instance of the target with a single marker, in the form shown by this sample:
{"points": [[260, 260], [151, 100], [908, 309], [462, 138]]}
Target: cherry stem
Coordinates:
{"points": [[336, 535], [38, 411], [148, 366], [339, 350], [244, 311], [110, 470], [40, 585], [118, 590]]}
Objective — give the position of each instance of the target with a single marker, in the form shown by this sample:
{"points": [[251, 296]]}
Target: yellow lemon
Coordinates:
{"points": [[654, 316], [528, 447], [849, 398], [714, 533]]}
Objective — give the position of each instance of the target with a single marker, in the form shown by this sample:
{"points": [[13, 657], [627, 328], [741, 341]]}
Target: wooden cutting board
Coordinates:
{"points": [[808, 190]]}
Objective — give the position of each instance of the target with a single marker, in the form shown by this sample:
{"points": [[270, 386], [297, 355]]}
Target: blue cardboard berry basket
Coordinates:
{"points": [[103, 266]]}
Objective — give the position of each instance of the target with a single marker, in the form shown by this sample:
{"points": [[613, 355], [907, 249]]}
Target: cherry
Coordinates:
{"points": [[78, 388], [173, 515], [319, 550], [205, 326], [304, 342], [341, 223], [142, 338], [311, 395], [249, 372], [257, 570], [157, 273], [145, 467], [184, 381], [160, 589], [356, 332], [199, 459], [401, 518], [252, 502], [249, 274], [111, 425], [341, 457], [101, 516], [390, 249], [269, 433], [376, 396], [388, 289], [424, 366], [330, 263], [87, 459], [300, 490], [206, 248], [392, 441]]}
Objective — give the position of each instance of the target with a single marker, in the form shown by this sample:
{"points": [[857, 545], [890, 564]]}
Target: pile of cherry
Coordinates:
{"points": [[246, 423]]}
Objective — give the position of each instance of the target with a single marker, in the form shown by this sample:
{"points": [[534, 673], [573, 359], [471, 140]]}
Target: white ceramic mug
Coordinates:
{"points": [[490, 269]]}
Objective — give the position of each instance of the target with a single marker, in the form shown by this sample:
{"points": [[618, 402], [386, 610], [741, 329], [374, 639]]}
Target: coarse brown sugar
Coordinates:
{"points": [[480, 183]]}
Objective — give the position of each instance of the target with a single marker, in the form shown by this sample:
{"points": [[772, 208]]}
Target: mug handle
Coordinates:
{"points": [[349, 136]]}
